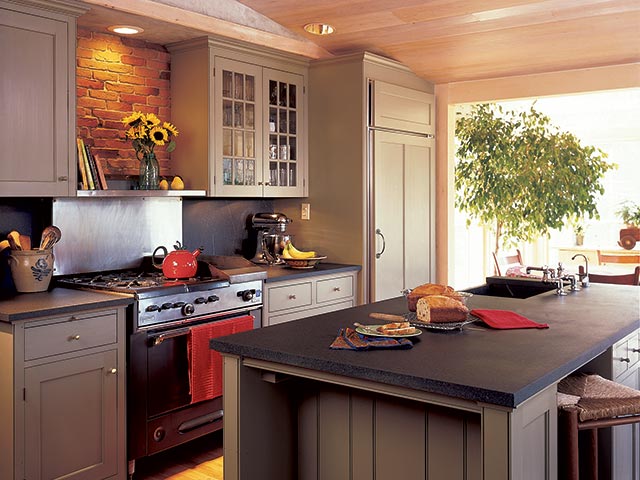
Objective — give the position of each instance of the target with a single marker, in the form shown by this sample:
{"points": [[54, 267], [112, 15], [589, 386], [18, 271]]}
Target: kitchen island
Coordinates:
{"points": [[476, 403]]}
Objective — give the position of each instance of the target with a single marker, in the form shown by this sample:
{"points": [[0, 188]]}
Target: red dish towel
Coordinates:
{"points": [[205, 365], [505, 319]]}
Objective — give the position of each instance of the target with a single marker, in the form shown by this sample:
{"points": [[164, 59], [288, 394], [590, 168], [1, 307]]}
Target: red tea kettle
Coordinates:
{"points": [[180, 263]]}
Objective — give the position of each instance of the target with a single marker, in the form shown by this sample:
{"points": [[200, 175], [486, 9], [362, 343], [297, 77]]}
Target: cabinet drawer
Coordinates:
{"points": [[334, 288], [626, 354], [69, 335], [289, 296]]}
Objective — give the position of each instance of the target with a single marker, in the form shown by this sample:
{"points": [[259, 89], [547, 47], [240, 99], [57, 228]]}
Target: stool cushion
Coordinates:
{"points": [[599, 397]]}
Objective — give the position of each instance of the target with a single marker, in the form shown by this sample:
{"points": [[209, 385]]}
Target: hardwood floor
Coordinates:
{"points": [[200, 459]]}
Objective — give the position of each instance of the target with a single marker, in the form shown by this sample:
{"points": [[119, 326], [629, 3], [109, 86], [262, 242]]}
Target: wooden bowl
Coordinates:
{"points": [[303, 263]]}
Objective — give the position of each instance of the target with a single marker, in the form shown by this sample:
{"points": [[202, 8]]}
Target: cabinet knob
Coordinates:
{"points": [[628, 360], [113, 371], [336, 289], [63, 179], [292, 297], [74, 337]]}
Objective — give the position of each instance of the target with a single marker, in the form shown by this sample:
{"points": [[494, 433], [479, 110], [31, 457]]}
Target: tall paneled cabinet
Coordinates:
{"points": [[372, 172], [242, 117], [37, 87]]}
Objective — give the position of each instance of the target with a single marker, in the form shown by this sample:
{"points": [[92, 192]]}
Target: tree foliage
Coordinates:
{"points": [[521, 175]]}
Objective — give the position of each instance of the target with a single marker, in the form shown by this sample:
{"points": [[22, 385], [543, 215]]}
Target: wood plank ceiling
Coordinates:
{"points": [[451, 40]]}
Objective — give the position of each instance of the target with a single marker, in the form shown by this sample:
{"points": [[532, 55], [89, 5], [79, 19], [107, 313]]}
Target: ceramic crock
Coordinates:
{"points": [[31, 270]]}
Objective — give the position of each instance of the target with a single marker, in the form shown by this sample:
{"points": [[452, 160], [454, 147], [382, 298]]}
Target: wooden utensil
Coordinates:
{"points": [[14, 240], [387, 317], [25, 241]]}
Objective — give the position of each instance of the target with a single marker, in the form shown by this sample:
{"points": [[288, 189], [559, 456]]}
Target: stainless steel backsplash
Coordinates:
{"points": [[101, 234]]}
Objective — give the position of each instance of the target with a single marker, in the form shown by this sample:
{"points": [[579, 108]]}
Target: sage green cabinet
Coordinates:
{"points": [[37, 86], [67, 403], [242, 117]]}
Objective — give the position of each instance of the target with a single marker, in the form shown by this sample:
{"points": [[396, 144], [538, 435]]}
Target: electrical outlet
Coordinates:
{"points": [[305, 211]]}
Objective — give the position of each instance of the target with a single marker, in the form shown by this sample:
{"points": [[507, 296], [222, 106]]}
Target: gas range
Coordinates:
{"points": [[162, 300]]}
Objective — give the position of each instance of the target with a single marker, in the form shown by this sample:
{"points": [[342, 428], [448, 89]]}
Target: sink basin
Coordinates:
{"points": [[510, 287]]}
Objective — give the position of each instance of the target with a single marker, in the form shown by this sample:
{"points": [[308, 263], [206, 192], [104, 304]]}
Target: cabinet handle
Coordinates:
{"points": [[74, 337], [336, 289], [113, 371], [635, 350], [628, 360], [384, 243], [63, 179], [292, 297]]}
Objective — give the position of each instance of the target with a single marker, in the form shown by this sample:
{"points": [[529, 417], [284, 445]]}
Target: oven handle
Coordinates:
{"points": [[158, 339]]}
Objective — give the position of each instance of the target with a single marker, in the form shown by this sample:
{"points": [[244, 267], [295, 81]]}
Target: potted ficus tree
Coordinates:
{"points": [[629, 213], [522, 176]]}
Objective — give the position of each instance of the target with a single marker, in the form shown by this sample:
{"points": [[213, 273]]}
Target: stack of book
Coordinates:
{"points": [[91, 173]]}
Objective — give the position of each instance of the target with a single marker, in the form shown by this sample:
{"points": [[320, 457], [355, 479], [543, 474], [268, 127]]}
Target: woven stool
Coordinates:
{"points": [[589, 402]]}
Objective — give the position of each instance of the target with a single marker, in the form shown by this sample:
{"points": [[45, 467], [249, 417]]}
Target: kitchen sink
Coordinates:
{"points": [[511, 287]]}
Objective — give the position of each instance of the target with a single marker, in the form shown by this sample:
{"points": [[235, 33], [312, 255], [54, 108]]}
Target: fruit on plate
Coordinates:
{"points": [[292, 252]]}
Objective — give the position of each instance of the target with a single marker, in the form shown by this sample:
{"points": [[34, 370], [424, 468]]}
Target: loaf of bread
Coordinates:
{"points": [[428, 289], [396, 328], [440, 309]]}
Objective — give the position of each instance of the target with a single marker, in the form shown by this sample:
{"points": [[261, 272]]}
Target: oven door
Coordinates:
{"points": [[162, 411], [181, 369]]}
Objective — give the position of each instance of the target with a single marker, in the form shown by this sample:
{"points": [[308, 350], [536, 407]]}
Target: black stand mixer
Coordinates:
{"points": [[271, 228]]}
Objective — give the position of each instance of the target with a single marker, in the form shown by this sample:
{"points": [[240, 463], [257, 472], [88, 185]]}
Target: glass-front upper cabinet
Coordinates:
{"points": [[258, 118], [283, 167], [238, 104]]}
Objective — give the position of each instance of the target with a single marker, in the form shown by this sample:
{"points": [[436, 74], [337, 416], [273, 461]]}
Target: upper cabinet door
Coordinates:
{"points": [[239, 123], [37, 90], [284, 164], [403, 109]]}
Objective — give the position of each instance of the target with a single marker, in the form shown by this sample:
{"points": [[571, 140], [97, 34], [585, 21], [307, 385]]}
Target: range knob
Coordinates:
{"points": [[200, 300], [152, 308], [213, 298], [178, 305], [246, 295], [188, 309], [167, 306]]}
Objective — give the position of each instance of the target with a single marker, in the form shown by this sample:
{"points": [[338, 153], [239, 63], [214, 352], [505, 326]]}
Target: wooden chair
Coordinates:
{"points": [[617, 279], [605, 258], [506, 261], [587, 403]]}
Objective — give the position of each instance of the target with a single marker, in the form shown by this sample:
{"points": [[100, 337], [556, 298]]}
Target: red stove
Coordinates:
{"points": [[173, 395]]}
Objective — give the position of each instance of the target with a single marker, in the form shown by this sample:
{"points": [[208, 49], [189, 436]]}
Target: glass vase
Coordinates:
{"points": [[149, 172]]}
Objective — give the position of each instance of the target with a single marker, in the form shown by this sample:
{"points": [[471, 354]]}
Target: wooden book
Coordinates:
{"points": [[103, 180], [81, 168]]}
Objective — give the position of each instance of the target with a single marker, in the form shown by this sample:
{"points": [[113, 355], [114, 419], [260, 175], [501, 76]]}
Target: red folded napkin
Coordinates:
{"points": [[505, 319]]}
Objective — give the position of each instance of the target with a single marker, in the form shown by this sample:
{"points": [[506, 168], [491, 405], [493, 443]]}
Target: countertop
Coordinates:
{"points": [[278, 273], [501, 367], [56, 302]]}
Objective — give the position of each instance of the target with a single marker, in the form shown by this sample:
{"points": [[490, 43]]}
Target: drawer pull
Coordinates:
{"points": [[292, 297], [113, 371], [635, 350], [628, 360], [336, 289], [74, 337]]}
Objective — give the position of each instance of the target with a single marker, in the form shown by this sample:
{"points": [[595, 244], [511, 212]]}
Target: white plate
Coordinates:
{"points": [[371, 330]]}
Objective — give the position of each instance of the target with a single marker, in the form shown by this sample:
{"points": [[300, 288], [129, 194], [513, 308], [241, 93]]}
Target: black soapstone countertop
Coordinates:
{"points": [[57, 301], [501, 367]]}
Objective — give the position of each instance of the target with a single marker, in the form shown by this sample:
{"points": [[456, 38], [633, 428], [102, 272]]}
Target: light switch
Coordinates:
{"points": [[305, 211]]}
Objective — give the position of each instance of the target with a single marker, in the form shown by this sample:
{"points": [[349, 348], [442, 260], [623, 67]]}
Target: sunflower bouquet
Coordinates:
{"points": [[147, 130]]}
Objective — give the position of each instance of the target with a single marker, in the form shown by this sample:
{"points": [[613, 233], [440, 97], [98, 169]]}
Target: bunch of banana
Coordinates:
{"points": [[290, 251]]}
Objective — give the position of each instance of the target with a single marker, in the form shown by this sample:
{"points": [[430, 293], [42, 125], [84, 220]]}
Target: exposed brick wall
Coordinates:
{"points": [[116, 76]]}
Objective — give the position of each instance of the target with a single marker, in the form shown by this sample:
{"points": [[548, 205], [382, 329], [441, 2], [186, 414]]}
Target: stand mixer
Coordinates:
{"points": [[271, 228]]}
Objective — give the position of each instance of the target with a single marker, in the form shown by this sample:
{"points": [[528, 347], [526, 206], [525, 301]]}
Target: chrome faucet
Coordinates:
{"points": [[583, 277], [557, 276]]}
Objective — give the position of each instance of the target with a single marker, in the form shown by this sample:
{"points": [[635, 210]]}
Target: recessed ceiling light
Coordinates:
{"points": [[318, 28], [125, 29]]}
